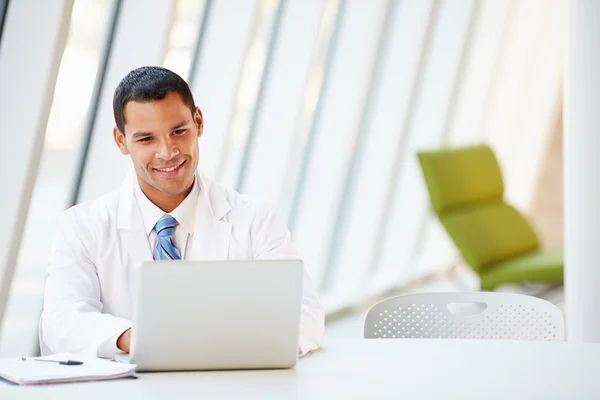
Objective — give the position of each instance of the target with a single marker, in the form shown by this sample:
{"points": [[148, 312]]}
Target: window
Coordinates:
{"points": [[57, 172], [183, 36]]}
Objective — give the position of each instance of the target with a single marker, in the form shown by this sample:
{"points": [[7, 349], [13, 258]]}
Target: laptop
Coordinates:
{"points": [[215, 315]]}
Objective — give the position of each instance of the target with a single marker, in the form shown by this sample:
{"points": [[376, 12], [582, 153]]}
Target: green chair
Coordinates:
{"points": [[466, 192]]}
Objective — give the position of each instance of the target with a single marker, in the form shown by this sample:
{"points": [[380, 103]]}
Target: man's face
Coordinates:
{"points": [[161, 137]]}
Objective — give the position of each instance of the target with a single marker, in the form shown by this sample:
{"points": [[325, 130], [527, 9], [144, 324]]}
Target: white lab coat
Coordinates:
{"points": [[88, 296]]}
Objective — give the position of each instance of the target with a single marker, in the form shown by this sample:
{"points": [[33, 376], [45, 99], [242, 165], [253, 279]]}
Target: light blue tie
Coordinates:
{"points": [[165, 248]]}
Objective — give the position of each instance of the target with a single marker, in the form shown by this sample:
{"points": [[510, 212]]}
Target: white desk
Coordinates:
{"points": [[373, 369]]}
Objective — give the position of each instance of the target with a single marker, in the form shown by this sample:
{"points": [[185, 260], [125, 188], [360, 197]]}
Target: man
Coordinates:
{"points": [[165, 209]]}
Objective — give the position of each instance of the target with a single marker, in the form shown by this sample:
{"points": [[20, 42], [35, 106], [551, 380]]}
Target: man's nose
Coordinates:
{"points": [[167, 150]]}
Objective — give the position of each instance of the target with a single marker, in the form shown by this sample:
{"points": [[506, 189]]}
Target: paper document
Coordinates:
{"points": [[32, 372]]}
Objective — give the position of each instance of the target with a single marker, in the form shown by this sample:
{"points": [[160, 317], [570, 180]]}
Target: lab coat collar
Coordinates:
{"points": [[211, 233], [184, 213]]}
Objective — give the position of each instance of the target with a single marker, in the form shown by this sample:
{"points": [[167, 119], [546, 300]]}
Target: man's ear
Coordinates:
{"points": [[199, 121], [120, 140]]}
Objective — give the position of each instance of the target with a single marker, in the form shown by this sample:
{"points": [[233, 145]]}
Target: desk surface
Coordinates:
{"points": [[395, 369]]}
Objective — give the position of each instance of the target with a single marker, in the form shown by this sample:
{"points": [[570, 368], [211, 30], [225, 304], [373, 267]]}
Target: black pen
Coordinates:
{"points": [[68, 362]]}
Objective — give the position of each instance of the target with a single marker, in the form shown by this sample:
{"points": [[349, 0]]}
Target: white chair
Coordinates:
{"points": [[44, 350], [477, 315]]}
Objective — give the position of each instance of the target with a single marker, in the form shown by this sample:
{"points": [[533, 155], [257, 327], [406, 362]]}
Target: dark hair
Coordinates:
{"points": [[146, 84]]}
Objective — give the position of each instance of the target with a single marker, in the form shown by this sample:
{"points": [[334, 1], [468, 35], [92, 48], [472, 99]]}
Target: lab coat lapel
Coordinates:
{"points": [[134, 239], [211, 233]]}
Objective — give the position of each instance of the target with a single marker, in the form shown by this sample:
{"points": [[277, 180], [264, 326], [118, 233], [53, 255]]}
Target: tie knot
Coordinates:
{"points": [[165, 226]]}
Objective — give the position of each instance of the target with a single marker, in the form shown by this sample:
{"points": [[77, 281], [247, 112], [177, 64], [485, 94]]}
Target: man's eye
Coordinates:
{"points": [[180, 131], [145, 139]]}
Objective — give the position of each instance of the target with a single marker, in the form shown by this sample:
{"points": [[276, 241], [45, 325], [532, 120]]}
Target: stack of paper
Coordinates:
{"points": [[31, 372]]}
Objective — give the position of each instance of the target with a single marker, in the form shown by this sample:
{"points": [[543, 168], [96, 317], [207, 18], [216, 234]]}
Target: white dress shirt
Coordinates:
{"points": [[185, 214]]}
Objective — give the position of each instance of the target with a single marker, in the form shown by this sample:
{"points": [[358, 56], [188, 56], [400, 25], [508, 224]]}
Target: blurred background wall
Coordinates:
{"points": [[317, 106]]}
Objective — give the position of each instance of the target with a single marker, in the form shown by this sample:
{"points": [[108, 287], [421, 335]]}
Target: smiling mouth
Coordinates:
{"points": [[170, 170]]}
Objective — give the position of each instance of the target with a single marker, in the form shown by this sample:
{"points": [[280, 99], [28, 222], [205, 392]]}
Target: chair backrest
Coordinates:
{"points": [[44, 350], [465, 315], [466, 191]]}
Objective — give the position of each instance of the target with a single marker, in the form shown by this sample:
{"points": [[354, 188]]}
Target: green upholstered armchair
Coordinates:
{"points": [[466, 191]]}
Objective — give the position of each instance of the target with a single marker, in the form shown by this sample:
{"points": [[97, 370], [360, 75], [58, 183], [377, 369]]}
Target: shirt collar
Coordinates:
{"points": [[185, 213]]}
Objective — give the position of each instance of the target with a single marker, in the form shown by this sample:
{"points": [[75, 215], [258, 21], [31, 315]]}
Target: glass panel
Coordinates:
{"points": [[252, 75], [55, 180], [509, 94], [480, 67], [183, 36], [310, 99], [405, 230], [274, 134], [383, 136], [541, 104], [3, 4], [333, 140], [437, 251], [215, 81]]}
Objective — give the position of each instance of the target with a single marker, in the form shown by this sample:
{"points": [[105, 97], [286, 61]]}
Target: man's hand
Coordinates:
{"points": [[124, 340]]}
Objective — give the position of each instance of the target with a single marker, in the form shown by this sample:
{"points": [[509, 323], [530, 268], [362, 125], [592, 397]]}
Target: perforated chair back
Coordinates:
{"points": [[477, 315]]}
